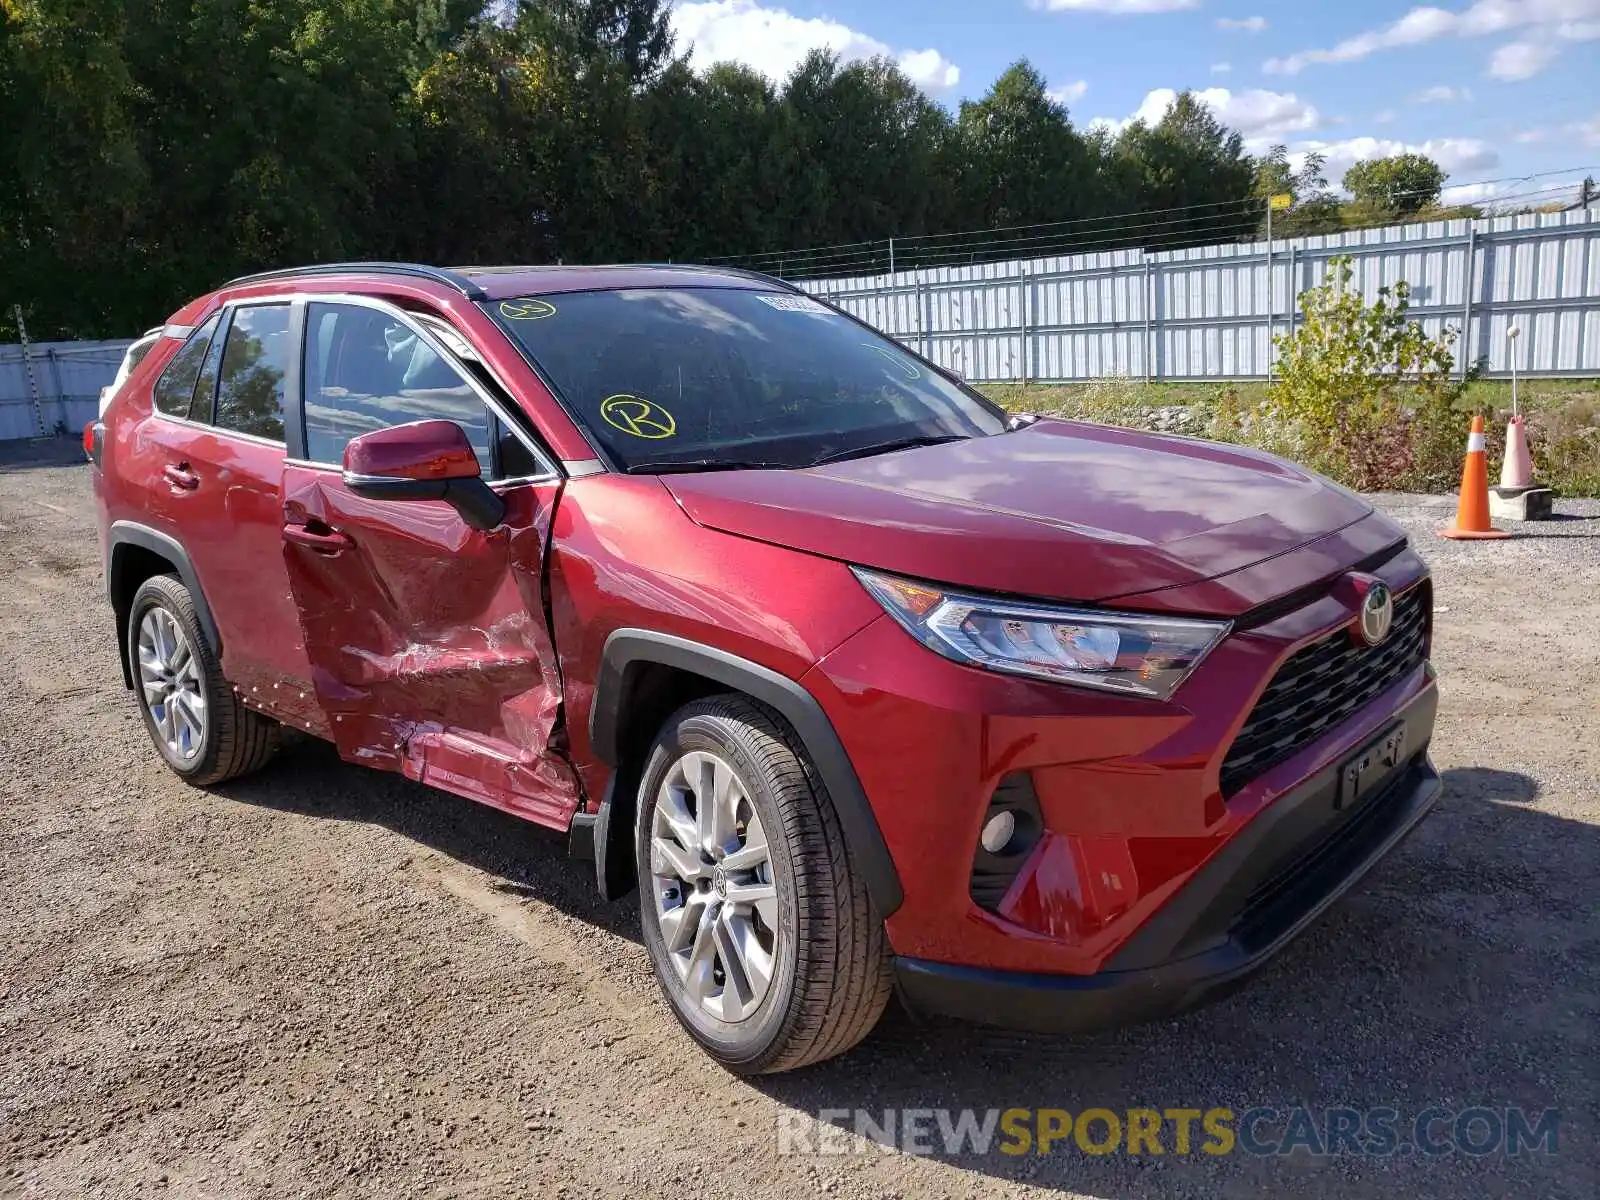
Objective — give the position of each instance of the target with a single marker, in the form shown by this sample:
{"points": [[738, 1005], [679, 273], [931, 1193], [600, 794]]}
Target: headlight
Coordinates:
{"points": [[1120, 652]]}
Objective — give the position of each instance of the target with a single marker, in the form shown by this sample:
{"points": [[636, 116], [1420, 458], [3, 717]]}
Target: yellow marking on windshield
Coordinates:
{"points": [[526, 310], [637, 417]]}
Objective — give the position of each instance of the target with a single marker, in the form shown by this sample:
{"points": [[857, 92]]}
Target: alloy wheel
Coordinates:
{"points": [[169, 681], [715, 897]]}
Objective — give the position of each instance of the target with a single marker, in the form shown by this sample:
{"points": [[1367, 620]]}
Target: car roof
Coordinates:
{"points": [[505, 282], [501, 283]]}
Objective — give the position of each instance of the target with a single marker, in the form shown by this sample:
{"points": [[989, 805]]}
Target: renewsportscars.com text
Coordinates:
{"points": [[1370, 1132]]}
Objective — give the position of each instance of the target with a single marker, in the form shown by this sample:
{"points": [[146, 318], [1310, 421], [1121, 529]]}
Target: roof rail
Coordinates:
{"points": [[414, 270], [762, 277], [713, 269]]}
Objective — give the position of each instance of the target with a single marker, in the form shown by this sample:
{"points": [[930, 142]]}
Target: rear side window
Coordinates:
{"points": [[366, 370], [255, 364], [174, 391]]}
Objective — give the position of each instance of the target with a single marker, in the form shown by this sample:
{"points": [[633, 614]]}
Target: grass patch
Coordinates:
{"points": [[1563, 419]]}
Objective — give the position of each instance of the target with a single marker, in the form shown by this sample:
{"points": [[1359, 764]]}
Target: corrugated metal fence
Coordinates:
{"points": [[56, 389], [1206, 313], [1211, 312]]}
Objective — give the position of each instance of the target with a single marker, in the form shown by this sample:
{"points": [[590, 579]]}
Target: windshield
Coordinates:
{"points": [[702, 378]]}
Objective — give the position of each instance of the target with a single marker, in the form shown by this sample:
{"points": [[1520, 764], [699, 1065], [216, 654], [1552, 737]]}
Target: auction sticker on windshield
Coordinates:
{"points": [[800, 304]]}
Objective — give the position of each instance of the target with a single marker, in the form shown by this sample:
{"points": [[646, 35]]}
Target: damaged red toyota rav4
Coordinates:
{"points": [[866, 687]]}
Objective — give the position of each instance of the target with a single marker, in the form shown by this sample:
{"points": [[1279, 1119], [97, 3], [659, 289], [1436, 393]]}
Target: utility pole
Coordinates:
{"points": [[1274, 203]]}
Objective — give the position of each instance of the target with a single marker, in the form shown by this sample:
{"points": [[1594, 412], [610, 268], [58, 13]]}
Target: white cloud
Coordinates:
{"points": [[1221, 68], [1069, 92], [1455, 155], [1259, 115], [1386, 117], [1442, 94], [774, 41], [1470, 193], [1510, 194], [1547, 22], [1118, 7], [930, 70], [1529, 137], [1245, 24], [1588, 130], [1517, 61]]}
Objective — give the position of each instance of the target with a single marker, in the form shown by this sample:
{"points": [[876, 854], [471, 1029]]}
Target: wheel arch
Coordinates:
{"points": [[631, 692], [134, 553]]}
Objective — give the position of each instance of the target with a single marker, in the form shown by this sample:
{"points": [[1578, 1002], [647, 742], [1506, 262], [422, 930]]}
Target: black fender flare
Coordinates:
{"points": [[131, 533], [868, 851]]}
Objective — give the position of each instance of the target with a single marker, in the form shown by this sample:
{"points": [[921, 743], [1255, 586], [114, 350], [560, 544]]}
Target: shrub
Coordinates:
{"points": [[1565, 444], [1374, 397]]}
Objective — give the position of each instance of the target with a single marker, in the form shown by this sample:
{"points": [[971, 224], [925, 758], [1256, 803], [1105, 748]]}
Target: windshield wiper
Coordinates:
{"points": [[686, 466], [906, 443]]}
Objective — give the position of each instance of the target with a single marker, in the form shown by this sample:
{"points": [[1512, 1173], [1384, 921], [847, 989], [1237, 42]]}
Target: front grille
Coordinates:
{"points": [[1321, 685]]}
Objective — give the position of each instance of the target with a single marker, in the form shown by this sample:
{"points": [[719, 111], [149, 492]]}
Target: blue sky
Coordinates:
{"points": [[1492, 89]]}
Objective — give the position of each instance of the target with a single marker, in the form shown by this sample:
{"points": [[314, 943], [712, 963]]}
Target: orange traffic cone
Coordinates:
{"points": [[1472, 512]]}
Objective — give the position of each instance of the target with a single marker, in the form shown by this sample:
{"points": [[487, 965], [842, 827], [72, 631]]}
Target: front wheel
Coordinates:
{"points": [[762, 935]]}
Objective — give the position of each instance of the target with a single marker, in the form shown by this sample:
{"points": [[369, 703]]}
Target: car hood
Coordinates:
{"points": [[1057, 509]]}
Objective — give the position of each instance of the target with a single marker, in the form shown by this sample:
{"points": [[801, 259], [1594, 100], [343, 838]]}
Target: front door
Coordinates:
{"points": [[427, 638]]}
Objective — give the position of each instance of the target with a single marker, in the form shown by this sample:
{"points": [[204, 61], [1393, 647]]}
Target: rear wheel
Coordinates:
{"points": [[189, 709], [762, 936]]}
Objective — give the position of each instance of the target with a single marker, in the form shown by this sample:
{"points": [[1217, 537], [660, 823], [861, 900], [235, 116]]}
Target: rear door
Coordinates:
{"points": [[213, 449], [427, 639]]}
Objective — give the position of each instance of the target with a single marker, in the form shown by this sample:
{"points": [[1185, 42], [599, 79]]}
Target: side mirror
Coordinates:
{"points": [[423, 460]]}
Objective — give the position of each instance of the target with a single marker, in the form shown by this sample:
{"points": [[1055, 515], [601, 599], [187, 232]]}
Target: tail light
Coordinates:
{"points": [[94, 436]]}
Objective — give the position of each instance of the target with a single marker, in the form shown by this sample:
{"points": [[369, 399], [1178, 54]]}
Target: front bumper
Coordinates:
{"points": [[1248, 902]]}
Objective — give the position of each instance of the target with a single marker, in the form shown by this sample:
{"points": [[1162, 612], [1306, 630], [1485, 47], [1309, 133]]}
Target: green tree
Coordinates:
{"points": [[72, 183], [1022, 162], [1316, 210], [635, 34], [152, 148], [876, 147], [1190, 173], [1401, 185]]}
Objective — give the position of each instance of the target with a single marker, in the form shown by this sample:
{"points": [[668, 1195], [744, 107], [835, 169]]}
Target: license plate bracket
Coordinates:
{"points": [[1365, 771]]}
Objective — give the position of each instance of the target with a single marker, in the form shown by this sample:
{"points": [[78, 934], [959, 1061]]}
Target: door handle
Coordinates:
{"points": [[330, 543], [180, 476]]}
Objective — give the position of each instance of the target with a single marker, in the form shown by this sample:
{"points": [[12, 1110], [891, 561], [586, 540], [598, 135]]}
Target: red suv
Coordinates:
{"points": [[865, 685]]}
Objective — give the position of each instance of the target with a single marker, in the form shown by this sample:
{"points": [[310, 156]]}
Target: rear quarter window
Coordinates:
{"points": [[174, 390]]}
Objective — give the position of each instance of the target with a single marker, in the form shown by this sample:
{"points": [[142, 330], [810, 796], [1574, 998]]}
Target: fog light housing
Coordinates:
{"points": [[999, 831], [1011, 828]]}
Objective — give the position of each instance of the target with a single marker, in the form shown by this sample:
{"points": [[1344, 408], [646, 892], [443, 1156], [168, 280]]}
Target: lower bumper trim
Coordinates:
{"points": [[1080, 1003]]}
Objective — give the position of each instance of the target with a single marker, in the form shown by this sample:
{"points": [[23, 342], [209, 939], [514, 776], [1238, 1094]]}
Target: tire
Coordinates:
{"points": [[826, 954], [232, 739]]}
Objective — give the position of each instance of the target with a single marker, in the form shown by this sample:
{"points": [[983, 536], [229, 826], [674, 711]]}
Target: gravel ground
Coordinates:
{"points": [[327, 982]]}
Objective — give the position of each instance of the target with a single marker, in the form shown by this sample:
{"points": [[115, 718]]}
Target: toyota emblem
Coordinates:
{"points": [[1377, 613]]}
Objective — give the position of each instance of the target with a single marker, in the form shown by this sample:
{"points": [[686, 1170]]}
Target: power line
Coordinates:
{"points": [[1149, 235], [848, 257], [1149, 242]]}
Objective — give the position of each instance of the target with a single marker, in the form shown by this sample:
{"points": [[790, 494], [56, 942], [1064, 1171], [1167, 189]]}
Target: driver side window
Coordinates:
{"points": [[366, 369]]}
